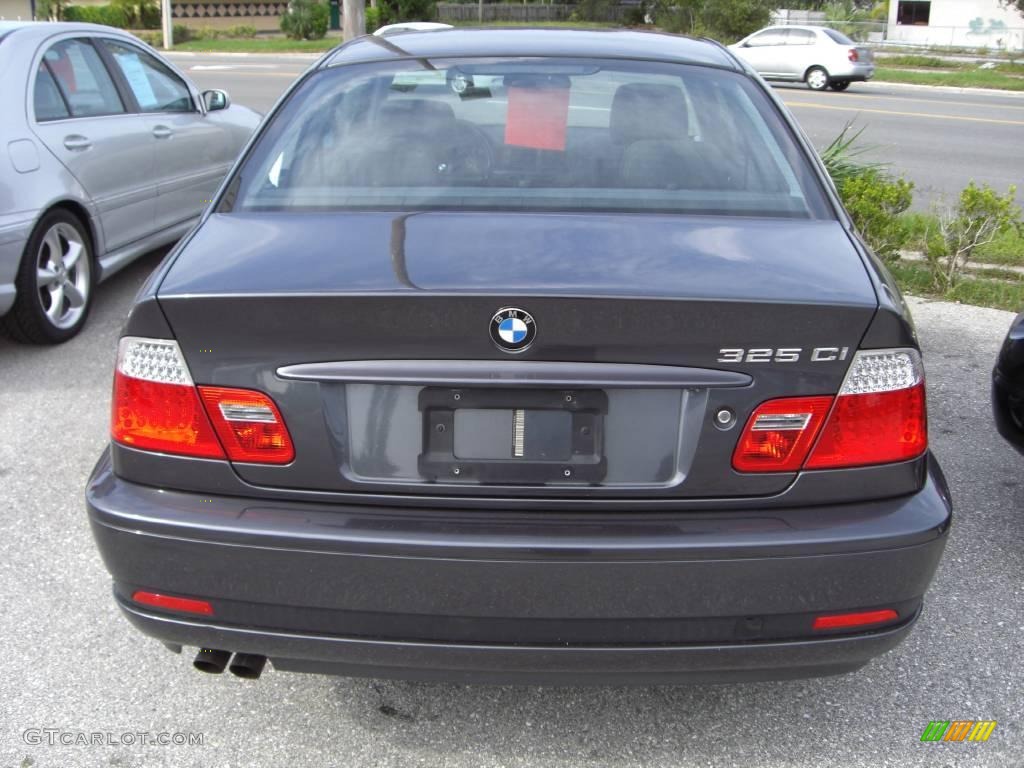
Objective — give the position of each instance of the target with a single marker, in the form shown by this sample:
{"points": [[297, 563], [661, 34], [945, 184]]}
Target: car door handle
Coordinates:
{"points": [[162, 132], [76, 143]]}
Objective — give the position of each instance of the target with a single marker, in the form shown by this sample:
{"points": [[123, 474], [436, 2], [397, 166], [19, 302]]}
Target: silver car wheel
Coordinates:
{"points": [[62, 275], [817, 79]]}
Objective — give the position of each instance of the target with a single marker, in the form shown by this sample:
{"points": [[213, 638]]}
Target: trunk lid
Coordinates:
{"points": [[674, 318]]}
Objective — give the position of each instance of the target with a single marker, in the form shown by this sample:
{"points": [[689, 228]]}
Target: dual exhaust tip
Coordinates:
{"points": [[213, 662]]}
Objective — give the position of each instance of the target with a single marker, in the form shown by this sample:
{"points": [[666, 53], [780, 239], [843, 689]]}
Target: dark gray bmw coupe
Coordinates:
{"points": [[517, 355]]}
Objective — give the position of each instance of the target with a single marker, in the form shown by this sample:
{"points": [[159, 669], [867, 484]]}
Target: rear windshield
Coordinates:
{"points": [[839, 37], [529, 134]]}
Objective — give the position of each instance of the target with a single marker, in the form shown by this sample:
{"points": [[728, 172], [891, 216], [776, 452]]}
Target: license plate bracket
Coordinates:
{"points": [[584, 463]]}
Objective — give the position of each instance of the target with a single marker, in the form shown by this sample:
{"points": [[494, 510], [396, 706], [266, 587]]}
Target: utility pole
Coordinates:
{"points": [[353, 18], [168, 24]]}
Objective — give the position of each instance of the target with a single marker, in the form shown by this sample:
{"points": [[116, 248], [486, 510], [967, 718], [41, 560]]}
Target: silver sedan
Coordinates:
{"points": [[110, 153], [818, 56]]}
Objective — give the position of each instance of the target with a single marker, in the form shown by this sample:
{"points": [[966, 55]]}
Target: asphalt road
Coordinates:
{"points": [[71, 662], [939, 139]]}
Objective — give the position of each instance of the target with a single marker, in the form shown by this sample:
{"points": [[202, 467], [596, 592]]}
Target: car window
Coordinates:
{"points": [[49, 104], [800, 37], [768, 37], [83, 80], [538, 134], [839, 37], [155, 87]]}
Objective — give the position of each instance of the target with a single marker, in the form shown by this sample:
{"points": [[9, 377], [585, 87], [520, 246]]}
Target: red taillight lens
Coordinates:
{"points": [[779, 434], [249, 425], [171, 603], [875, 428], [155, 407], [853, 56], [851, 620]]}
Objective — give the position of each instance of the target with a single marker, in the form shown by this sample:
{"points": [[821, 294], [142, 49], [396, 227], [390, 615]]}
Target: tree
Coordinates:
{"points": [[1018, 4]]}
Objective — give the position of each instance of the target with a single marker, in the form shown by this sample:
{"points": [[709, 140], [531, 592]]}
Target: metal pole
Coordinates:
{"points": [[480, 11], [353, 18], [168, 24]]}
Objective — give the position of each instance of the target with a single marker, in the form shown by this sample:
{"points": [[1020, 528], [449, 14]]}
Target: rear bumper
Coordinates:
{"points": [[854, 72], [521, 597]]}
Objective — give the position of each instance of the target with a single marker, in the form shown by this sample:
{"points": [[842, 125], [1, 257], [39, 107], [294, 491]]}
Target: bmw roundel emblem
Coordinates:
{"points": [[512, 329]]}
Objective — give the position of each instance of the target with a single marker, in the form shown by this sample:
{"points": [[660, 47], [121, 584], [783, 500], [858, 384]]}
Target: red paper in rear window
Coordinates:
{"points": [[537, 117]]}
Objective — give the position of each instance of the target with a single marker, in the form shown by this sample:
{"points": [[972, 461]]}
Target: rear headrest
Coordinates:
{"points": [[648, 111], [420, 115]]}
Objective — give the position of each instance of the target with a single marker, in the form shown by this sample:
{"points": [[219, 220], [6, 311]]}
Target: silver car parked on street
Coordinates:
{"points": [[818, 56], [110, 153]]}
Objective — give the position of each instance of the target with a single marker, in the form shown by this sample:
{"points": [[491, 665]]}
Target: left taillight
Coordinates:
{"points": [[157, 407], [853, 55]]}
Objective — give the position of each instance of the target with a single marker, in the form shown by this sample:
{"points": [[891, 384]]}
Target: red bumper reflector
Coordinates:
{"points": [[850, 620], [169, 603]]}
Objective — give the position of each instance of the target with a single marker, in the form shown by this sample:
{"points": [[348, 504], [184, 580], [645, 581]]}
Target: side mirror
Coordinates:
{"points": [[216, 100]]}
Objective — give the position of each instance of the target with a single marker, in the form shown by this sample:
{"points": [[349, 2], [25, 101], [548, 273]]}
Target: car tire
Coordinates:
{"points": [[839, 85], [54, 283], [816, 78]]}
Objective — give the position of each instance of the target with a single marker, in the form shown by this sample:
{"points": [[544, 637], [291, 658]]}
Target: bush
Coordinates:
{"points": [[140, 14], [155, 39], [241, 30], [373, 19], [109, 15], [306, 20], [729, 20], [875, 202], [394, 11], [980, 216]]}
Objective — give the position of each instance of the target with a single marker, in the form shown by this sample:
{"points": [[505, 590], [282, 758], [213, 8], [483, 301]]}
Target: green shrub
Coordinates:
{"points": [[373, 20], [306, 20], [155, 39], [980, 216], [875, 203], [109, 15], [140, 14], [394, 11], [729, 20], [241, 30]]}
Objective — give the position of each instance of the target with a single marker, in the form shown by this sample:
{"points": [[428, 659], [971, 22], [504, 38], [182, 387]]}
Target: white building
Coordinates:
{"points": [[967, 23], [16, 10]]}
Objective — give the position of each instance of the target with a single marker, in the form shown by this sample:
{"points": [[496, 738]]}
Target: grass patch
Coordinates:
{"points": [[962, 78], [980, 291], [259, 45], [914, 60]]}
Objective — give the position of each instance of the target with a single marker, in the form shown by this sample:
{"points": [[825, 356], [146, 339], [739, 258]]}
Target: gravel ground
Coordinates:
{"points": [[72, 663]]}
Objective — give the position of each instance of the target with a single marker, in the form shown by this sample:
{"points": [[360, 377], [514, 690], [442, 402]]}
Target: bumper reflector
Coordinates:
{"points": [[170, 603], [851, 620]]}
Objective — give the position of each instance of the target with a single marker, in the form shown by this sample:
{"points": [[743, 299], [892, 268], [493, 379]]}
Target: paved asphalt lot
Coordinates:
{"points": [[913, 129], [71, 662]]}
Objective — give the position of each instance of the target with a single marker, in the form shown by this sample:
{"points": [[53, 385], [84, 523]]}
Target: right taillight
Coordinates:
{"points": [[879, 416], [852, 55]]}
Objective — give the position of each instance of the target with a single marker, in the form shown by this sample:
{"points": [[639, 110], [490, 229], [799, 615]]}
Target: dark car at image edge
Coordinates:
{"points": [[1008, 386], [536, 356]]}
